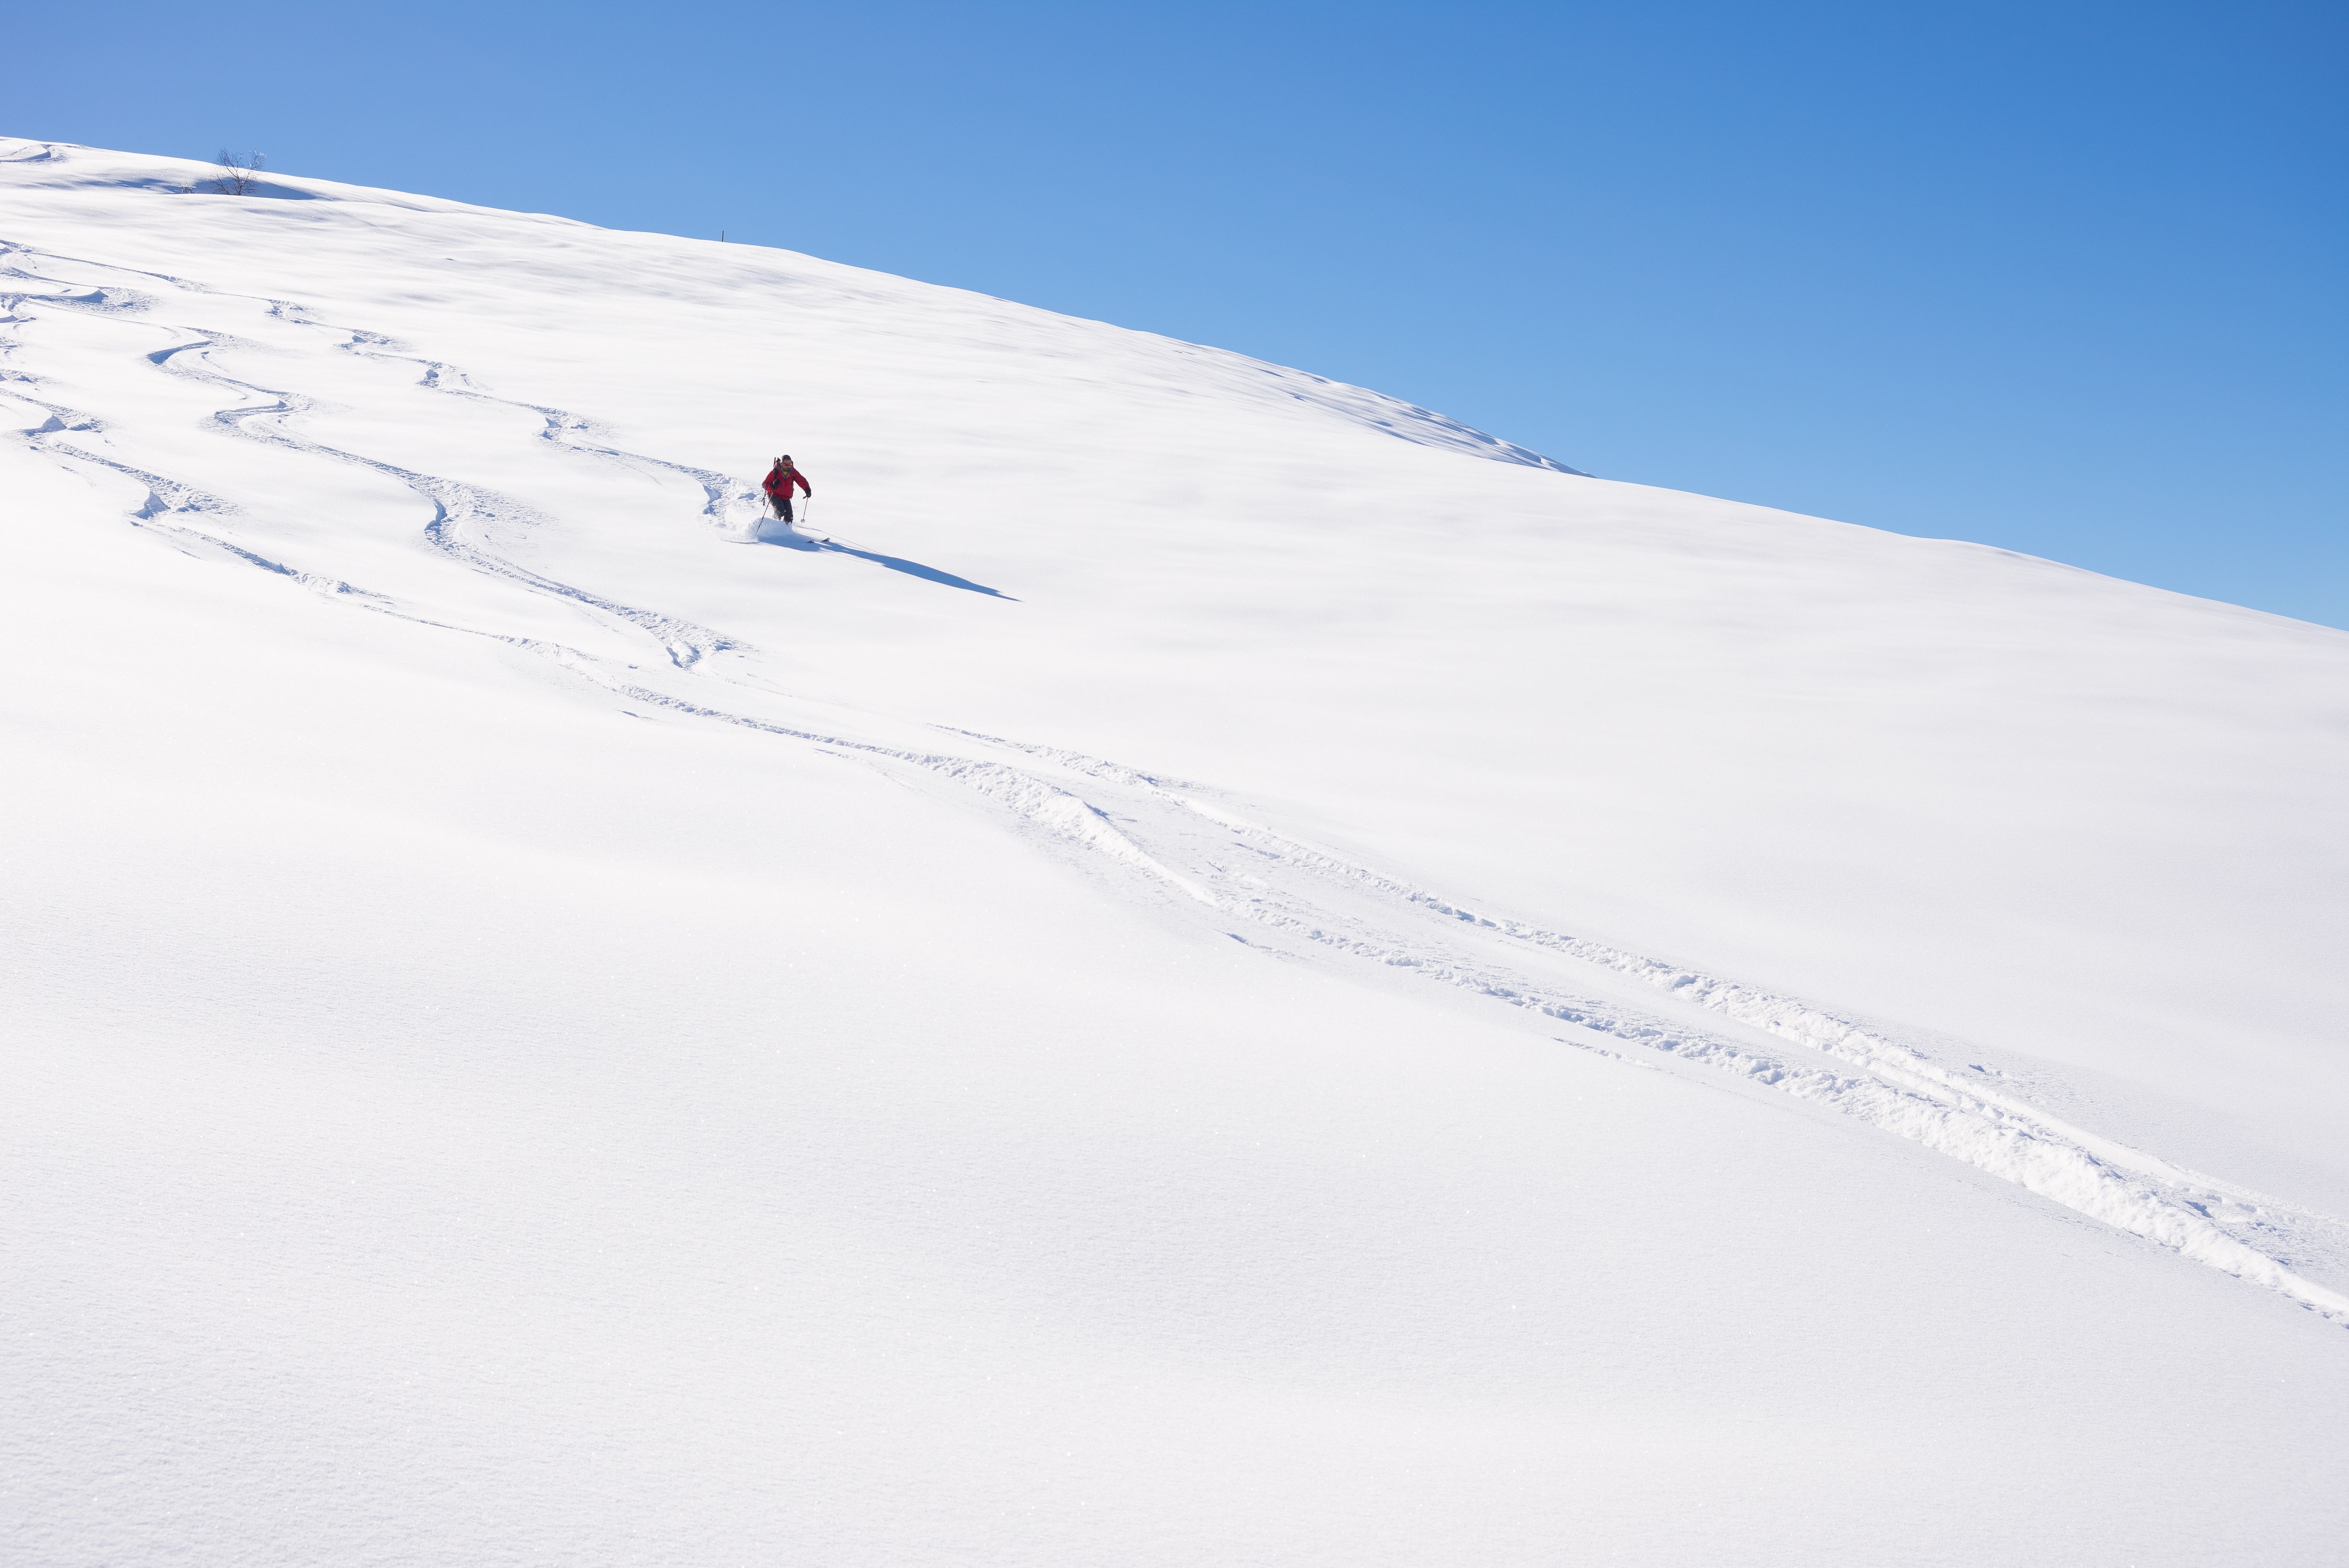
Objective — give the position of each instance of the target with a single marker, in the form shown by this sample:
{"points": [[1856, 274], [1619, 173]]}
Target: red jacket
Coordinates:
{"points": [[780, 481]]}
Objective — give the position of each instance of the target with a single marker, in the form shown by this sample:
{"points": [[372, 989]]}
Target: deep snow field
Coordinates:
{"points": [[1207, 968]]}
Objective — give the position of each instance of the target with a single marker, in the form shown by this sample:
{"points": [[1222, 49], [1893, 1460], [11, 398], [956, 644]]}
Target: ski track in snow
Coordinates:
{"points": [[1303, 902]]}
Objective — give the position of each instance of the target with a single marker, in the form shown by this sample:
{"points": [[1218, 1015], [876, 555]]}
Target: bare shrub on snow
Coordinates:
{"points": [[234, 173]]}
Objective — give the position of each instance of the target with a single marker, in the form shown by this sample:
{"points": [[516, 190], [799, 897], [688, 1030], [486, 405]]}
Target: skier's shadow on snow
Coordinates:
{"points": [[791, 540]]}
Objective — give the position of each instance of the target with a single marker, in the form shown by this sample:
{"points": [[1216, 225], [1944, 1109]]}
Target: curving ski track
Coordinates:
{"points": [[1151, 832]]}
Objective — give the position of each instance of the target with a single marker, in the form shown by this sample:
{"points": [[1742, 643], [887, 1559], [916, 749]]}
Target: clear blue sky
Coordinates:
{"points": [[2072, 279]]}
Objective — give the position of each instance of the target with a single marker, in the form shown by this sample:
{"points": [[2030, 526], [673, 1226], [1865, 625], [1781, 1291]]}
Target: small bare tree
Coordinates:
{"points": [[235, 173]]}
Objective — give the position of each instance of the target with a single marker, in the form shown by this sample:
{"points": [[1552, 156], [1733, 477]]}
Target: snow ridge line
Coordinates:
{"points": [[1865, 1073]]}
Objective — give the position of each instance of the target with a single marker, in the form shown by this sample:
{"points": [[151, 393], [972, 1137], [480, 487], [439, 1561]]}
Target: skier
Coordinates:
{"points": [[780, 479]]}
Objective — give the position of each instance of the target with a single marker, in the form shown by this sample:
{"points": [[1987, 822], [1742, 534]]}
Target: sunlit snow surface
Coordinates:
{"points": [[1207, 967]]}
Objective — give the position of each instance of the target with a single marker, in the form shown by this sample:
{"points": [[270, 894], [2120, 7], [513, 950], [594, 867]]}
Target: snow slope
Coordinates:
{"points": [[1229, 971]]}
